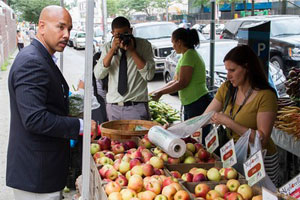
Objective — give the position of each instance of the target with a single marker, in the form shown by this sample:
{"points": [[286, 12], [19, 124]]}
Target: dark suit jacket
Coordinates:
{"points": [[38, 149]]}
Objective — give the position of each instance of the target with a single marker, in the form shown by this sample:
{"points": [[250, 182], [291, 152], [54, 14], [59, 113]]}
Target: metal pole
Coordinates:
{"points": [[212, 43], [61, 57], [89, 27], [104, 19], [167, 10]]}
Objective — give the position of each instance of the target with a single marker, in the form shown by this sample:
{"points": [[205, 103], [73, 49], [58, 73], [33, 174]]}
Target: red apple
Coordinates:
{"points": [[222, 189], [167, 181], [137, 154], [145, 143], [203, 154], [181, 195], [117, 164], [134, 162], [246, 191], [230, 173], [169, 191], [147, 195], [112, 187], [110, 155], [158, 171], [173, 160], [148, 169], [111, 174], [103, 170], [163, 156], [177, 186], [146, 156], [212, 195], [154, 186], [104, 142], [198, 147], [188, 177], [199, 177], [175, 174], [201, 190], [234, 196], [119, 156], [114, 142], [118, 148], [98, 154], [122, 180], [135, 183], [131, 144]]}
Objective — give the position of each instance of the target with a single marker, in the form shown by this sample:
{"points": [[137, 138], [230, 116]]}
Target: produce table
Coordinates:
{"points": [[286, 141]]}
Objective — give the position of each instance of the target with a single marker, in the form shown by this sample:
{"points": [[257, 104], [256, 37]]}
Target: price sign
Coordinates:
{"points": [[268, 195], [292, 188], [212, 140], [228, 155], [254, 168]]}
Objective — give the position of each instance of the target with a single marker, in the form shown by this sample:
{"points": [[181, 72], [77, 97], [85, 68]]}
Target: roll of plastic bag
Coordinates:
{"points": [[167, 141]]}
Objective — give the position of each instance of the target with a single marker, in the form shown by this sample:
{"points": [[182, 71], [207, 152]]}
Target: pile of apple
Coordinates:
{"points": [[195, 153], [156, 187], [213, 174], [232, 190]]}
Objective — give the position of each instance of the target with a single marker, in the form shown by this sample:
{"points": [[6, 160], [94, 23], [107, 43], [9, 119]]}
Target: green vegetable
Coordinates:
{"points": [[163, 113]]}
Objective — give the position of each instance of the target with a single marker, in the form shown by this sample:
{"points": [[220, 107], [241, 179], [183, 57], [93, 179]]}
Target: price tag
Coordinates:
{"points": [[254, 168], [292, 188], [228, 155], [212, 140], [268, 195]]}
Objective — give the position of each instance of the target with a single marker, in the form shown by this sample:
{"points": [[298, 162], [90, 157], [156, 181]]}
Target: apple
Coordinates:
{"points": [[114, 142], [146, 195], [104, 160], [163, 156], [201, 170], [211, 160], [230, 173], [104, 142], [126, 158], [115, 196], [189, 160], [199, 177], [118, 148], [154, 186], [130, 151], [119, 156], [148, 169], [222, 171], [137, 154], [130, 144], [177, 186], [137, 170], [222, 189], [146, 156], [157, 150], [172, 160], [128, 174], [135, 183], [233, 185], [122, 180], [193, 170], [117, 164], [134, 162], [157, 178], [213, 174], [257, 197], [145, 143], [111, 174], [212, 195], [191, 147], [128, 194], [169, 191], [188, 177], [112, 187], [167, 181], [94, 148], [181, 195], [98, 154], [156, 162], [103, 170], [234, 196], [175, 174], [203, 154], [161, 197], [188, 153], [246, 191], [198, 146], [158, 171], [124, 167], [201, 190]]}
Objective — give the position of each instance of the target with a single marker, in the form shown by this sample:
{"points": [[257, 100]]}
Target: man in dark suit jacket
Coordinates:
{"points": [[38, 150]]}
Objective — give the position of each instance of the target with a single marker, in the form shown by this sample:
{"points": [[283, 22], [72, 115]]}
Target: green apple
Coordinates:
{"points": [[191, 147], [213, 174], [189, 160]]}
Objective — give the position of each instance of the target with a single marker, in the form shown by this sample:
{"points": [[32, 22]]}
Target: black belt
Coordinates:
{"points": [[127, 103]]}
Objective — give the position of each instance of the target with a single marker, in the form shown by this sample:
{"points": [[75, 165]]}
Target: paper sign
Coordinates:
{"points": [[212, 140], [228, 155], [292, 188], [254, 168], [268, 195]]}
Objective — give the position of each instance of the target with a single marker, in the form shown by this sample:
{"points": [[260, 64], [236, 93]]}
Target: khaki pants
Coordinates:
{"points": [[24, 195]]}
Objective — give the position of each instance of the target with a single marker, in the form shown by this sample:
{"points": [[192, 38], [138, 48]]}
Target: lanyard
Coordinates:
{"points": [[244, 102]]}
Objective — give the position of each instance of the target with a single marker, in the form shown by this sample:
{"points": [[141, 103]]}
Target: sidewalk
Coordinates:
{"points": [[6, 193]]}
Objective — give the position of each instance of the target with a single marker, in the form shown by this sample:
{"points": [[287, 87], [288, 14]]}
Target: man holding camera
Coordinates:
{"points": [[129, 64]]}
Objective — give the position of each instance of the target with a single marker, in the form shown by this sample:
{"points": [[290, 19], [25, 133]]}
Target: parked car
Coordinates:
{"points": [[199, 27], [222, 47], [72, 34], [98, 39], [284, 37], [219, 28], [79, 40]]}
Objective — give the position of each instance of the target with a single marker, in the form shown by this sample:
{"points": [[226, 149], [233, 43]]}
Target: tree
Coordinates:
{"points": [[31, 9], [112, 7]]}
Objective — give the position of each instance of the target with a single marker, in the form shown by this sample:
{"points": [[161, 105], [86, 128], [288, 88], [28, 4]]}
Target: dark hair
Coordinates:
{"points": [[244, 56], [189, 37], [120, 22], [18, 31]]}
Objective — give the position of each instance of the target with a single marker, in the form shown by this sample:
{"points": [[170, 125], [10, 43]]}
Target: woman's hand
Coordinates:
{"points": [[221, 118], [155, 95]]}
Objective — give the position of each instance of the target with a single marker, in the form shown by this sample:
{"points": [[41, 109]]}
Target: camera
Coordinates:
{"points": [[126, 38]]}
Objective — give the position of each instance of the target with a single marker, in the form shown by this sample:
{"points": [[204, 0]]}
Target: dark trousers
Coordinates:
{"points": [[20, 46], [197, 108]]}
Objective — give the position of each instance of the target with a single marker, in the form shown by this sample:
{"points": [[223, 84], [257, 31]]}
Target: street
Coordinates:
{"points": [[73, 70]]}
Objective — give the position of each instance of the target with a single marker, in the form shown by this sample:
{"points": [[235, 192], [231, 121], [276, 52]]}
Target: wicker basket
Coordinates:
{"points": [[125, 129]]}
